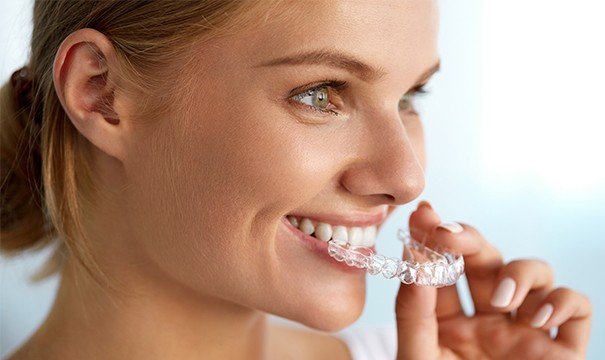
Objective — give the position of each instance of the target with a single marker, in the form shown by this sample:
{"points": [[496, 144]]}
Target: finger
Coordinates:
{"points": [[530, 306], [571, 312], [516, 279], [532, 280], [482, 262], [448, 302], [417, 326], [423, 221]]}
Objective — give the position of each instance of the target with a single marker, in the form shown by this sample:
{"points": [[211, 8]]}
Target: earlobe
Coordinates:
{"points": [[83, 72]]}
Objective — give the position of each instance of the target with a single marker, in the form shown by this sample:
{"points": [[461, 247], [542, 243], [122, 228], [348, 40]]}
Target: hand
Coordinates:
{"points": [[432, 325]]}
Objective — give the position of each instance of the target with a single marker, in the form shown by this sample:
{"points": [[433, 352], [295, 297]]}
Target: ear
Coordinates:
{"points": [[82, 72]]}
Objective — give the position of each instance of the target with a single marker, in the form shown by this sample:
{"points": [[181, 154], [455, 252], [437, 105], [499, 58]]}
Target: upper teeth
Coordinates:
{"points": [[356, 236]]}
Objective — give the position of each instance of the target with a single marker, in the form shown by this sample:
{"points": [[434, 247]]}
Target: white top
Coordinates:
{"points": [[371, 343]]}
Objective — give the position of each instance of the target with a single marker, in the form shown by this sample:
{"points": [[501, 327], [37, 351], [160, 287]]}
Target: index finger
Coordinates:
{"points": [[478, 253], [482, 262]]}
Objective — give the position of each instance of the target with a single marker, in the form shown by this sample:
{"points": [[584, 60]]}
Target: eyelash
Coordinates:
{"points": [[338, 86]]}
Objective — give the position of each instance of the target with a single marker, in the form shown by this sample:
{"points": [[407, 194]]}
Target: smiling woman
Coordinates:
{"points": [[193, 158]]}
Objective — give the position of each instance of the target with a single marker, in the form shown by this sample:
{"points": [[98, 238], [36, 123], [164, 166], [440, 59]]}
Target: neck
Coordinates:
{"points": [[162, 321]]}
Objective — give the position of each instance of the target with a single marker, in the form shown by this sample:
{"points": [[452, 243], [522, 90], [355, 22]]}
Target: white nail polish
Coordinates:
{"points": [[542, 315], [504, 293], [452, 227]]}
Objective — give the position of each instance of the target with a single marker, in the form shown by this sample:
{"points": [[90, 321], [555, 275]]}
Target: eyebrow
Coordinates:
{"points": [[344, 61]]}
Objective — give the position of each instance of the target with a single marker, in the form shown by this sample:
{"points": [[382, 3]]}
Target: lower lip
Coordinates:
{"points": [[320, 248]]}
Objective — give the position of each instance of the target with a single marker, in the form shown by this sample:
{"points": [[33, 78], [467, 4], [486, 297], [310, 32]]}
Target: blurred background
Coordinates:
{"points": [[515, 132]]}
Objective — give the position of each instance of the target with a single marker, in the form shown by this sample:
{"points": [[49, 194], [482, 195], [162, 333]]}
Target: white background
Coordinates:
{"points": [[515, 141]]}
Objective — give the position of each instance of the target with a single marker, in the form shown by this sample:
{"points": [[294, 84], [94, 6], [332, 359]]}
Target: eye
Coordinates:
{"points": [[406, 103], [318, 97]]}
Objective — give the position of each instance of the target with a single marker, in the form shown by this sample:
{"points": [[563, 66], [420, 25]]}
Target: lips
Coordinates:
{"points": [[350, 220], [320, 248]]}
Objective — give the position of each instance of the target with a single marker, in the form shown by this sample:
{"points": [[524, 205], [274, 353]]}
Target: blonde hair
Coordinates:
{"points": [[41, 151]]}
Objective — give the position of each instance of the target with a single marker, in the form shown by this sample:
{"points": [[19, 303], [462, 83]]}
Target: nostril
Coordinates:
{"points": [[390, 197]]}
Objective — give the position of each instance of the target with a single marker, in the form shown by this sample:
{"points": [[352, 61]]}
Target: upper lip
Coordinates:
{"points": [[348, 219]]}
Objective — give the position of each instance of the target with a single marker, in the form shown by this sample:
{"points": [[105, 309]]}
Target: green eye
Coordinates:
{"points": [[405, 103], [317, 98]]}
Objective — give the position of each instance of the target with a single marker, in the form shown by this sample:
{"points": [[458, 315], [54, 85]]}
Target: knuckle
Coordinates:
{"points": [[515, 266], [566, 291], [539, 263], [452, 332], [586, 299], [530, 262], [562, 292], [536, 272], [516, 262], [473, 231], [533, 349], [466, 226], [589, 307], [499, 339], [586, 302], [404, 309]]}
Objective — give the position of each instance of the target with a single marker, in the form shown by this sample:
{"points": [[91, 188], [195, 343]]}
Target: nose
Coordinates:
{"points": [[388, 167]]}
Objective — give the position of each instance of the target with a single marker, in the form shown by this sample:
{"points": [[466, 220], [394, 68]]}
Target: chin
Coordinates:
{"points": [[331, 315]]}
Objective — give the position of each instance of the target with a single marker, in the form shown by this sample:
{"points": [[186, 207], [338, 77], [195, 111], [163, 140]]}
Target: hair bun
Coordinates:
{"points": [[22, 83]]}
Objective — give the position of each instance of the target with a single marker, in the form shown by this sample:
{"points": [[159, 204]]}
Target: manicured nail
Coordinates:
{"points": [[542, 315], [424, 203], [452, 227], [504, 293]]}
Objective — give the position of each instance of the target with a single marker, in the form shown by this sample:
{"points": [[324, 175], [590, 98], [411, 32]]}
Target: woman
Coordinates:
{"points": [[172, 146]]}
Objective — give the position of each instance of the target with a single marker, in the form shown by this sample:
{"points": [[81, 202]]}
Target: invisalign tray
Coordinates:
{"points": [[441, 268]]}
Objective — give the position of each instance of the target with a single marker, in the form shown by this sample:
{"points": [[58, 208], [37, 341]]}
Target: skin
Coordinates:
{"points": [[195, 232]]}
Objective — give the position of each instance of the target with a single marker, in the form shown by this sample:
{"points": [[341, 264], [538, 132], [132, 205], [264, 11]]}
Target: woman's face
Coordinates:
{"points": [[212, 186]]}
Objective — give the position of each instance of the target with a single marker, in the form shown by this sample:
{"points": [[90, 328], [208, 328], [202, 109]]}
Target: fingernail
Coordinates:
{"points": [[452, 227], [424, 203], [504, 293], [542, 315]]}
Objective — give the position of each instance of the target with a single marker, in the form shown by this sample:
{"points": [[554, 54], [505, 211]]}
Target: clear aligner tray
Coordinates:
{"points": [[421, 265]]}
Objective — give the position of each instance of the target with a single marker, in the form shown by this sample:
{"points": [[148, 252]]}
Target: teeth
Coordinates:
{"points": [[293, 221], [340, 235], [369, 236], [323, 231], [306, 226], [355, 236]]}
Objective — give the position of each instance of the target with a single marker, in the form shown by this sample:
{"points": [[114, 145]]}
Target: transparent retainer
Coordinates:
{"points": [[421, 265]]}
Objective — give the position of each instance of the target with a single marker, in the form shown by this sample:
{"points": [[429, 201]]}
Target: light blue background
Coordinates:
{"points": [[514, 128]]}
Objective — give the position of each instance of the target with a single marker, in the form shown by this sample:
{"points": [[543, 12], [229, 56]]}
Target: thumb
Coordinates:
{"points": [[415, 307], [417, 327]]}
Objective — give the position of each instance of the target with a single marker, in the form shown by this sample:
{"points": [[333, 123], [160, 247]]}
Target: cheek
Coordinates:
{"points": [[219, 187], [270, 159], [227, 179]]}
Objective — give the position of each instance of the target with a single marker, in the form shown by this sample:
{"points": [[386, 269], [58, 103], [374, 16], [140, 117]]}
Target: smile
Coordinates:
{"points": [[320, 247], [351, 235]]}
